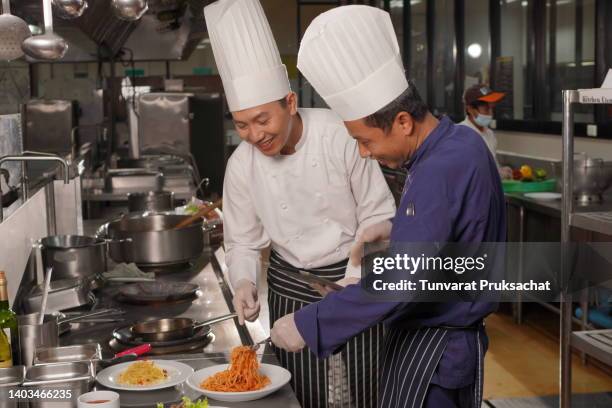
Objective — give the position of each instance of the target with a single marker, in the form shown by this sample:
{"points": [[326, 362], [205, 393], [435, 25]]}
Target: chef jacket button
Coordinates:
{"points": [[314, 163], [337, 249], [284, 206]]}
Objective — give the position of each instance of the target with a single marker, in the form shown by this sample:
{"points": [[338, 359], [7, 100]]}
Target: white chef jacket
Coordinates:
{"points": [[308, 205], [487, 135]]}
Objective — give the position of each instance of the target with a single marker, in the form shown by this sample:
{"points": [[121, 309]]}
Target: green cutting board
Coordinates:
{"points": [[517, 186]]}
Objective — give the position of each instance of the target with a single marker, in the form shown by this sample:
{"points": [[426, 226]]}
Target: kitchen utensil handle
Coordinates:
{"points": [[259, 343], [45, 296], [90, 314], [201, 213], [139, 350], [215, 320], [6, 9], [48, 16], [118, 360]]}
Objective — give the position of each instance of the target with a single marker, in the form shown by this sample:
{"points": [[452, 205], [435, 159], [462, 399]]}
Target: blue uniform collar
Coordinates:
{"points": [[430, 142]]}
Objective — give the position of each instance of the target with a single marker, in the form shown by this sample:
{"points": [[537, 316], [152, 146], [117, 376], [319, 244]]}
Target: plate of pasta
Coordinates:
{"points": [[144, 375], [244, 379]]}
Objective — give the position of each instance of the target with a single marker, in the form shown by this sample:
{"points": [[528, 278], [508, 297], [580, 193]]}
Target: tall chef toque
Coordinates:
{"points": [[351, 57], [246, 54]]}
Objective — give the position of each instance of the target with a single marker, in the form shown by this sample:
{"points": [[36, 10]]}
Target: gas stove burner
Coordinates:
{"points": [[196, 346], [163, 269]]}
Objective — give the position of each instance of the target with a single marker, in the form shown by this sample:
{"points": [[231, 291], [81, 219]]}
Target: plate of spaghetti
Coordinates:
{"points": [[144, 375], [244, 379]]}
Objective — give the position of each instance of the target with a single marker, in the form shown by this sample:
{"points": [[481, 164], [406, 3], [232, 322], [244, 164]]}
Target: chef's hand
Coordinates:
{"points": [[245, 301], [285, 334], [324, 290], [374, 233]]}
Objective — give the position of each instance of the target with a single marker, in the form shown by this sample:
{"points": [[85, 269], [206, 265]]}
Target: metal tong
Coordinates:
{"points": [[256, 346]]}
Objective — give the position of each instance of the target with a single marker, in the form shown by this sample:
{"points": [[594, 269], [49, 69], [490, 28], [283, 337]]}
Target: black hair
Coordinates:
{"points": [[476, 104], [409, 101]]}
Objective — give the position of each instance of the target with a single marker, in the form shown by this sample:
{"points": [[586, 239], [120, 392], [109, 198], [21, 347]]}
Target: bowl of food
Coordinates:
{"points": [[244, 379]]}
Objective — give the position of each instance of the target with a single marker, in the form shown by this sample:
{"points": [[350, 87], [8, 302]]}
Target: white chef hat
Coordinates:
{"points": [[351, 57], [246, 54]]}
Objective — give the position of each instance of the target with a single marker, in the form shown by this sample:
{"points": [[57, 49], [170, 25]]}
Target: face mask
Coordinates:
{"points": [[483, 120]]}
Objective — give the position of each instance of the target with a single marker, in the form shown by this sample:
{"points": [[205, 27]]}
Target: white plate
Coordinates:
{"points": [[177, 373], [544, 196], [278, 378]]}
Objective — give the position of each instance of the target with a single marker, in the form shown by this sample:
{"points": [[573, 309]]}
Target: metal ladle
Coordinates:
{"points": [[130, 10], [69, 9], [13, 31], [48, 46]]}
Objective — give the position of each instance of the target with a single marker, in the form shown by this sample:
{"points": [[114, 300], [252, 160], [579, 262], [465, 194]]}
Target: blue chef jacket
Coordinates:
{"points": [[454, 190]]}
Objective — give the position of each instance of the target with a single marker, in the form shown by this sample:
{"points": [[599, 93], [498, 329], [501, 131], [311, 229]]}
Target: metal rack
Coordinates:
{"points": [[595, 343]]}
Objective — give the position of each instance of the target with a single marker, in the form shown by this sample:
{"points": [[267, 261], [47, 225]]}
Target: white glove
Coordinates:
{"points": [[245, 301], [285, 335], [325, 290], [374, 233]]}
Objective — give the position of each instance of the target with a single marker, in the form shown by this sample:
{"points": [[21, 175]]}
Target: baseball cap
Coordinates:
{"points": [[481, 92]]}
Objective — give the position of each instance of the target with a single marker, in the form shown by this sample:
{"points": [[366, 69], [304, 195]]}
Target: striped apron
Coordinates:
{"points": [[410, 360], [346, 379]]}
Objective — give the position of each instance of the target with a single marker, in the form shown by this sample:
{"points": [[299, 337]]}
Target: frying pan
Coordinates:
{"points": [[172, 329], [124, 336]]}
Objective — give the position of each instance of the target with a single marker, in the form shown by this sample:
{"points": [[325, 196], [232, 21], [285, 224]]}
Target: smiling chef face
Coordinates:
{"points": [[267, 126], [390, 146]]}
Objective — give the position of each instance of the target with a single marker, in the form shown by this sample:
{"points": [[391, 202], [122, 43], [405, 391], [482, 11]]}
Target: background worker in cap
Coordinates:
{"points": [[434, 351], [297, 183], [479, 102]]}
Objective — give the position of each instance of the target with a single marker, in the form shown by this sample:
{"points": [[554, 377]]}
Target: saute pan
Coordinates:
{"points": [[172, 329]]}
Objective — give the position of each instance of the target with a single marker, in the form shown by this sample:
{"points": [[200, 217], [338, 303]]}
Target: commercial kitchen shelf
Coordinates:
{"points": [[596, 343], [600, 222]]}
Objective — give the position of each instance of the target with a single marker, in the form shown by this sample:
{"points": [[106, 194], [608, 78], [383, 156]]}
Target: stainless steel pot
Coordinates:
{"points": [[155, 201], [33, 335], [151, 240], [592, 177], [73, 256]]}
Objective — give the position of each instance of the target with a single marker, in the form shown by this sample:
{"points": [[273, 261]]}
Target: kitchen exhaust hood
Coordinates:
{"points": [[170, 30]]}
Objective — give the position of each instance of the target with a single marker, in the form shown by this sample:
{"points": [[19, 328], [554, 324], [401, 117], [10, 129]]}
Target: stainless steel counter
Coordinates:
{"points": [[209, 303], [213, 300], [592, 217], [284, 398]]}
